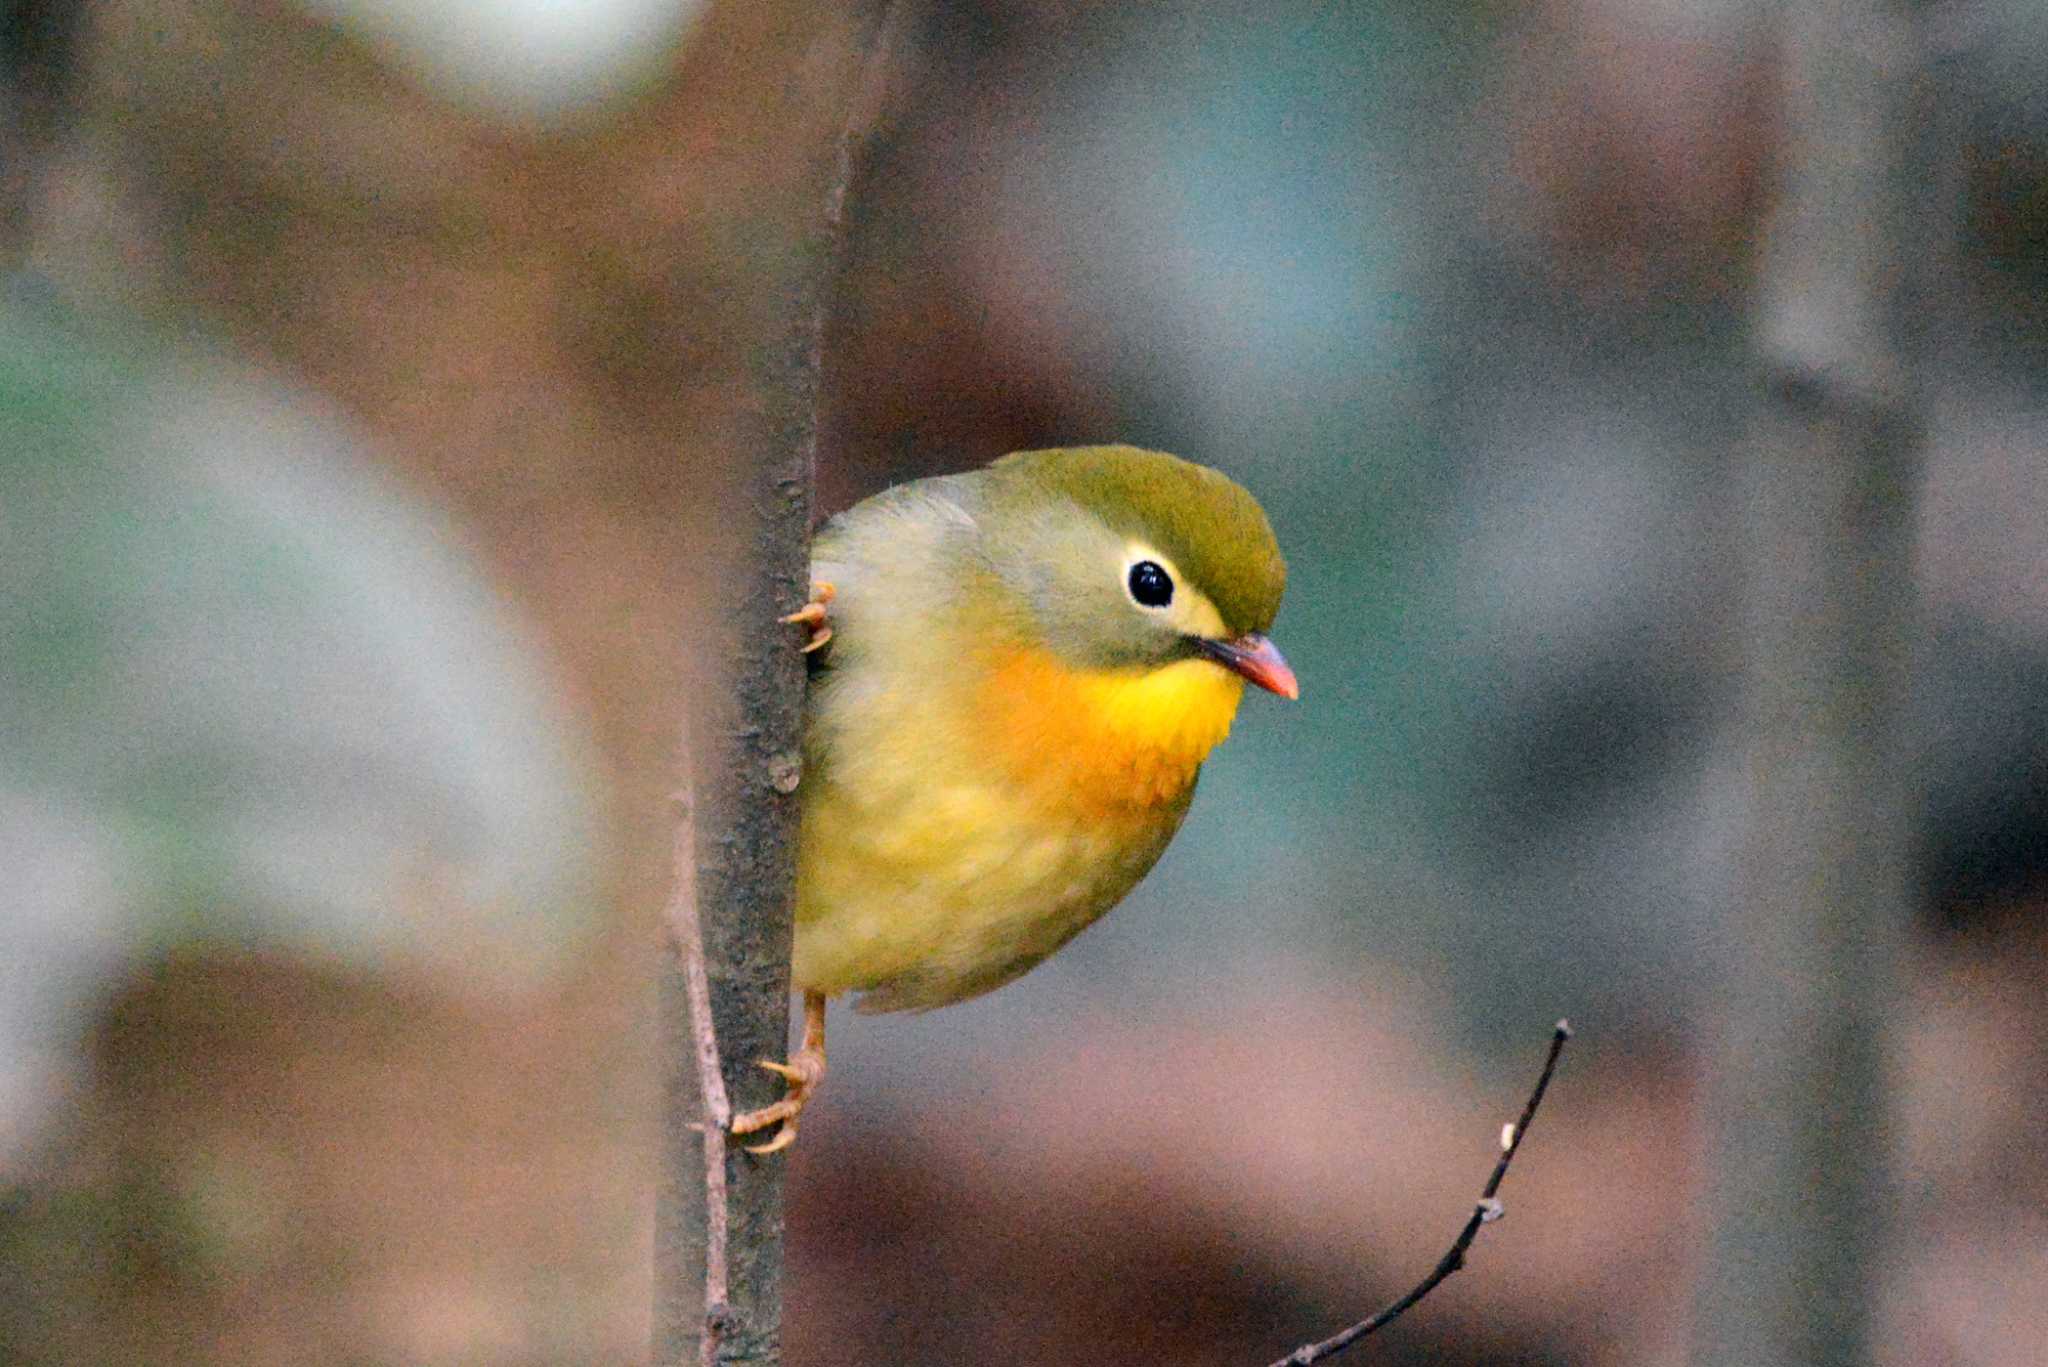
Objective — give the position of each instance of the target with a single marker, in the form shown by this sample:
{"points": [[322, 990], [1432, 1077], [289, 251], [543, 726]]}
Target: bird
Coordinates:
{"points": [[1016, 674]]}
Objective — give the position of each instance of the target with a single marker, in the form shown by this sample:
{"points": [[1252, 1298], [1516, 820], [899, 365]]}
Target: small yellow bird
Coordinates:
{"points": [[1028, 664]]}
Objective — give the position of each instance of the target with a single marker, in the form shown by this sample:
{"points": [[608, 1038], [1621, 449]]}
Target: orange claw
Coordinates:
{"points": [[812, 615], [804, 1071]]}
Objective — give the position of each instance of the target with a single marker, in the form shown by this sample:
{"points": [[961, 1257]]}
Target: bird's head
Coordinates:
{"points": [[1134, 561]]}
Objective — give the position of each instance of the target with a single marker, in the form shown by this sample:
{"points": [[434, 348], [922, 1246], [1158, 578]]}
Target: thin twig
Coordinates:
{"points": [[687, 932], [1486, 1212]]}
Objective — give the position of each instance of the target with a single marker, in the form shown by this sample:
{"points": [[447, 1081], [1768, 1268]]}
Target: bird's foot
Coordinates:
{"points": [[804, 1071], [812, 615]]}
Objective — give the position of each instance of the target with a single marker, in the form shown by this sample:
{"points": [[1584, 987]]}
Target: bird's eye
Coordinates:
{"points": [[1150, 585]]}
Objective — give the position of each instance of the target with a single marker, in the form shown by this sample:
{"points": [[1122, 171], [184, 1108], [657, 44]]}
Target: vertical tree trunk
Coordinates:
{"points": [[1798, 1086], [718, 1295]]}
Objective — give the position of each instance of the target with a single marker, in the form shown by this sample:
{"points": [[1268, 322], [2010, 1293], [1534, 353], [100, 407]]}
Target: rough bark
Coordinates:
{"points": [[1798, 1085], [746, 730]]}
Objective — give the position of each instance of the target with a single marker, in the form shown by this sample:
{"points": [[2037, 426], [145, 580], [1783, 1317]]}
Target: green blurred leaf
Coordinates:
{"points": [[250, 696]]}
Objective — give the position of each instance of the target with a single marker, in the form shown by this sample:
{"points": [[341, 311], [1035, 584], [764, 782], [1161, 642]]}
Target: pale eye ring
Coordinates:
{"points": [[1149, 584]]}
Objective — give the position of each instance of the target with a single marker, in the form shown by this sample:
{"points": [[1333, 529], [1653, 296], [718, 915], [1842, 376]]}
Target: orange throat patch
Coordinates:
{"points": [[1100, 741]]}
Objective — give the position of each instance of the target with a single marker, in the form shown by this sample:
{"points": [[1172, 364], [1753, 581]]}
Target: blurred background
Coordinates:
{"points": [[356, 364]]}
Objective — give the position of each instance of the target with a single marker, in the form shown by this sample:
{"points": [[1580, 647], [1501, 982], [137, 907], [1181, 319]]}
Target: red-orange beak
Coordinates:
{"points": [[1258, 659]]}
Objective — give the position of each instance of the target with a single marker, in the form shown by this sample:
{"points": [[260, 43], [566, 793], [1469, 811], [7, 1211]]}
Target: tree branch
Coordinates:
{"points": [[1797, 1081], [726, 999], [1485, 1212]]}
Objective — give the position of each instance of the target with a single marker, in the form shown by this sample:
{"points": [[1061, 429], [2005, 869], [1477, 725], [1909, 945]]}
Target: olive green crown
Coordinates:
{"points": [[1200, 518]]}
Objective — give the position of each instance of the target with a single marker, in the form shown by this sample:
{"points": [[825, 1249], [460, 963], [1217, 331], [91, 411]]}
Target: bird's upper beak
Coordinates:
{"points": [[1258, 659]]}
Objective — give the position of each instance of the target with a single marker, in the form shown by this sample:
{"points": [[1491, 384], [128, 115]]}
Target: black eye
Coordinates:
{"points": [[1151, 585]]}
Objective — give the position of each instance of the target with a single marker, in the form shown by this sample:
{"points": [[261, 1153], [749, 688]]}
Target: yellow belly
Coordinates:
{"points": [[945, 853], [954, 898]]}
